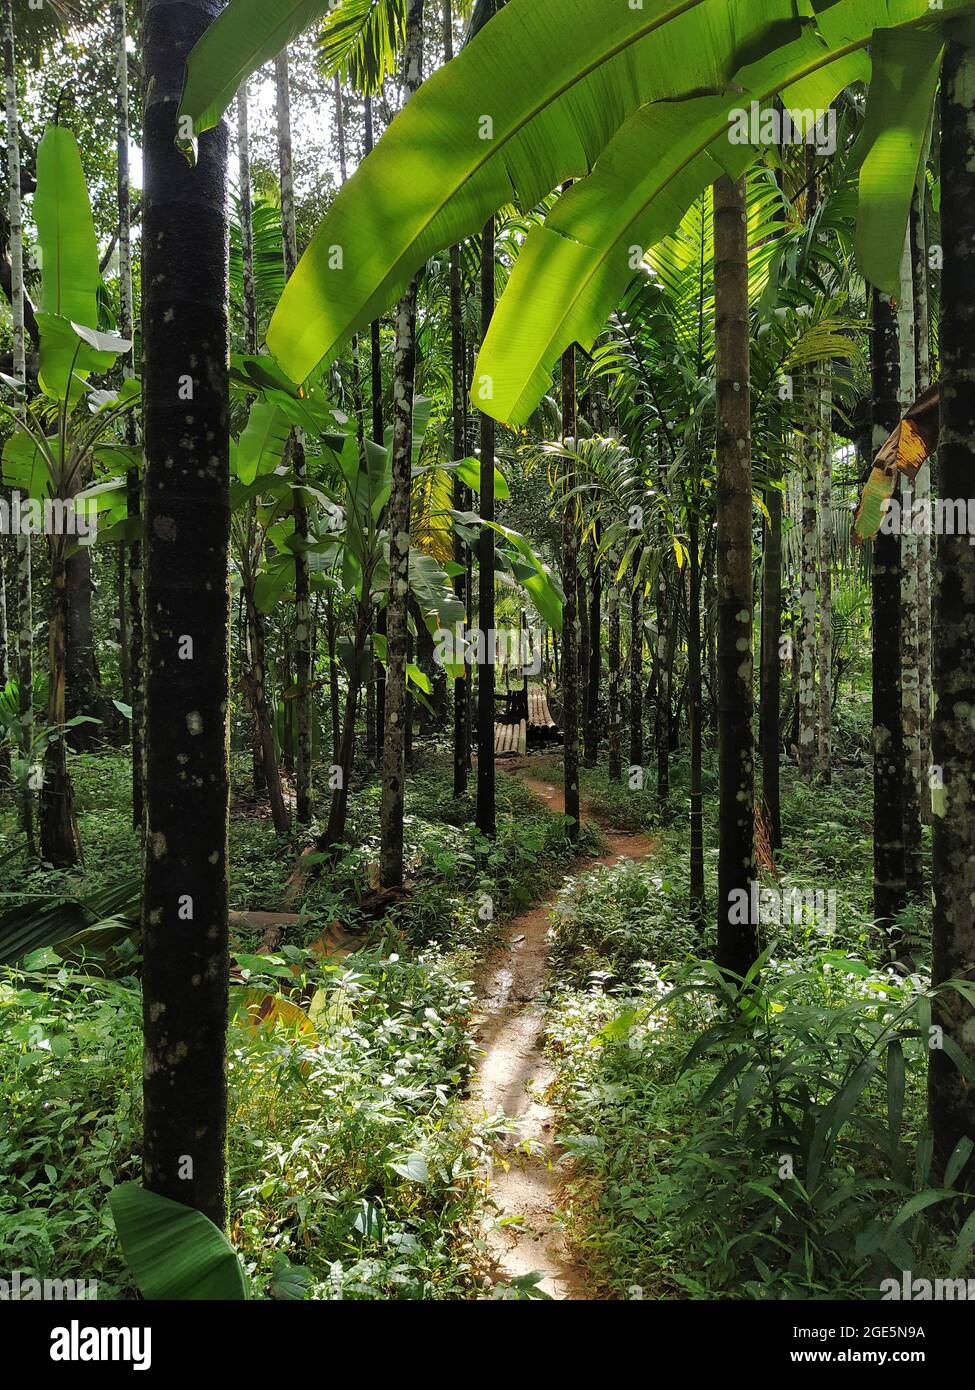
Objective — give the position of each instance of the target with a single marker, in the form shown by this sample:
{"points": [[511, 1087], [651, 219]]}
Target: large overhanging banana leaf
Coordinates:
{"points": [[573, 270], [530, 102], [69, 260], [906, 66], [174, 1252], [242, 39]]}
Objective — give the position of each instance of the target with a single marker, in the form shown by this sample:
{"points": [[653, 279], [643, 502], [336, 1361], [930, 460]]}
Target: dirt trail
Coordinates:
{"points": [[514, 1075]]}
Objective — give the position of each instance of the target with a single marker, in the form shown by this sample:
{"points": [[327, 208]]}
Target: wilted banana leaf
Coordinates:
{"points": [[903, 455], [173, 1251], [41, 922]]}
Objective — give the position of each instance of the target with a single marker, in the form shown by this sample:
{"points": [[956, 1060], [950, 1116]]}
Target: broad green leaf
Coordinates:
{"points": [[68, 252], [906, 67], [414, 1168], [242, 39], [516, 113], [261, 447], [573, 270], [24, 467], [173, 1251]]}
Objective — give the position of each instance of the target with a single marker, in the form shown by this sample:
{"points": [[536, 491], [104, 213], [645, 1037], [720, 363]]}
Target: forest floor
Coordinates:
{"points": [[516, 1077]]}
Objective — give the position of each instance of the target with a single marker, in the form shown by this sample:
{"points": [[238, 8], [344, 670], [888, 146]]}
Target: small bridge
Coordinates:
{"points": [[525, 716]]}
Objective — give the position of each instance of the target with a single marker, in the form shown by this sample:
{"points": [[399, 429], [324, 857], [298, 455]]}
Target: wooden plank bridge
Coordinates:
{"points": [[526, 716]]}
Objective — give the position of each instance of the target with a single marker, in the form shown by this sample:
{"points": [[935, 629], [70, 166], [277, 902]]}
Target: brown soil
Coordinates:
{"points": [[515, 1076]]}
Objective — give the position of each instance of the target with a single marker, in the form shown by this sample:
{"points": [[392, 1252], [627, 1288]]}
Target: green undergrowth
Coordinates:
{"points": [[771, 1148], [355, 1167]]}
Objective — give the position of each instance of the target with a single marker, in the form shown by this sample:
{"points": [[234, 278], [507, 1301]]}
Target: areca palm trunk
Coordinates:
{"points": [[663, 685], [186, 341], [771, 675], [694, 714], [60, 844], [267, 773], [636, 670], [922, 492], [889, 885], [134, 636], [910, 676], [24, 598], [487, 653], [595, 659], [404, 368], [246, 219], [825, 742], [737, 931], [807, 599], [264, 728], [461, 500], [378, 683], [339, 809], [4, 650], [951, 1100], [304, 655], [570, 611], [613, 683]]}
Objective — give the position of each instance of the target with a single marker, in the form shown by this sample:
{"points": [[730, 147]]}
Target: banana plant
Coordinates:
{"points": [[49, 457], [614, 98]]}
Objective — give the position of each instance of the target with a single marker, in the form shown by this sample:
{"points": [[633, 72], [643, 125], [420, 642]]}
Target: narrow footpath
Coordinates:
{"points": [[515, 1076]]}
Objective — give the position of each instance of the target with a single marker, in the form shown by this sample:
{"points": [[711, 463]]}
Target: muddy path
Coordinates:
{"points": [[514, 1075]]}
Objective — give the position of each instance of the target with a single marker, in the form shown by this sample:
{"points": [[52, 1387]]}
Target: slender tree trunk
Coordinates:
{"points": [[910, 676], [595, 654], [570, 614], [262, 715], [304, 654], [698, 905], [825, 575], [404, 368], [187, 507], [24, 603], [636, 671], [461, 497], [135, 639], [663, 686], [246, 220], [771, 696], [122, 598], [83, 693], [951, 1099], [613, 686], [808, 661], [486, 809], [339, 809], [922, 493], [461, 501], [582, 609], [889, 886], [60, 845], [737, 931], [255, 619], [331, 643], [4, 652], [378, 687]]}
